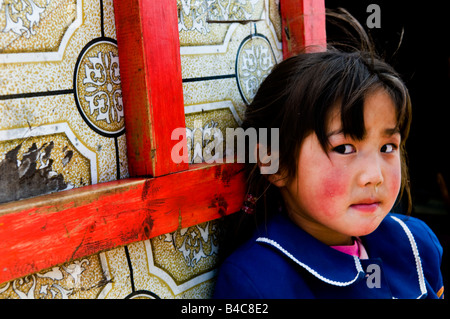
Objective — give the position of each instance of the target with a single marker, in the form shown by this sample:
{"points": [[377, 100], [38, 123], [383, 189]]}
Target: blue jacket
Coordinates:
{"points": [[286, 262]]}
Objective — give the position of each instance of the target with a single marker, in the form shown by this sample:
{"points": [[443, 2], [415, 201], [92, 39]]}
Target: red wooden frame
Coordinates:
{"points": [[303, 23], [150, 71], [47, 230], [38, 233]]}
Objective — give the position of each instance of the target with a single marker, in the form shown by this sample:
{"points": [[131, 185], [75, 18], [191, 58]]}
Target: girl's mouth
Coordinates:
{"points": [[366, 207]]}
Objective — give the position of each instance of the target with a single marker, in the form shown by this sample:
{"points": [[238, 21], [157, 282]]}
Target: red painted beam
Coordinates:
{"points": [[41, 232], [150, 70], [303, 23]]}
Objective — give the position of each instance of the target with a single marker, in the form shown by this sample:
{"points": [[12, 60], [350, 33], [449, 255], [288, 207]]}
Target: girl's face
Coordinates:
{"points": [[348, 191]]}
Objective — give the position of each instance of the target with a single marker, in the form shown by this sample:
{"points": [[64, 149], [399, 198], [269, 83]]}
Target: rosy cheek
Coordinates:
{"points": [[395, 183], [334, 184], [332, 188]]}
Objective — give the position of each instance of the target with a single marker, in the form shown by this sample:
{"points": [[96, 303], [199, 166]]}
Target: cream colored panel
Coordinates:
{"points": [[60, 86], [78, 279], [176, 265], [227, 49]]}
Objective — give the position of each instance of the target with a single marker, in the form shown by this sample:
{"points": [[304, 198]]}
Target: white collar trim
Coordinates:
{"points": [[412, 242], [415, 250], [312, 271]]}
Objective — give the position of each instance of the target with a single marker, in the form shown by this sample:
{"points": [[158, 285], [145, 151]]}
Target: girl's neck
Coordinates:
{"points": [[320, 232]]}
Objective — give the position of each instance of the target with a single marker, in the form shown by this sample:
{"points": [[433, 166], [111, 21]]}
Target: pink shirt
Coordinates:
{"points": [[357, 249]]}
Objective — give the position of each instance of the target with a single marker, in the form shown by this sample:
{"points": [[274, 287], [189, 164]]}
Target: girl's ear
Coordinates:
{"points": [[269, 165]]}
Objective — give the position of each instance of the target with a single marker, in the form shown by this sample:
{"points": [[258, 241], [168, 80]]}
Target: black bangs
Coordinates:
{"points": [[352, 118], [347, 89], [355, 83], [356, 77]]}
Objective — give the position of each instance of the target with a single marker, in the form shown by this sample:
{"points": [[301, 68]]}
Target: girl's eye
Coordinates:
{"points": [[388, 148], [344, 149]]}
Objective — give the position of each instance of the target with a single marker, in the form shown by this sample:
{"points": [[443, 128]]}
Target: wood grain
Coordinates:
{"points": [[303, 24], [152, 92], [41, 232]]}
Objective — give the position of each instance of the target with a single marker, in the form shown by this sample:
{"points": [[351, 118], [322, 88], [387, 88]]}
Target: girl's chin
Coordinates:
{"points": [[362, 229], [365, 224]]}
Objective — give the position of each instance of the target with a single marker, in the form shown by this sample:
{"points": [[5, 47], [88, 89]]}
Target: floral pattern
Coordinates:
{"points": [[60, 282], [98, 87], [255, 61], [103, 82], [22, 16], [194, 15], [195, 242]]}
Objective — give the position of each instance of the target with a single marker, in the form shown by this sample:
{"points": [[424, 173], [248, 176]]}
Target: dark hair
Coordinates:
{"points": [[298, 95]]}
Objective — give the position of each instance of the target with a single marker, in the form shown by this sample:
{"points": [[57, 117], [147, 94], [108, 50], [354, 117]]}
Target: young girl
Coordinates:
{"points": [[324, 224]]}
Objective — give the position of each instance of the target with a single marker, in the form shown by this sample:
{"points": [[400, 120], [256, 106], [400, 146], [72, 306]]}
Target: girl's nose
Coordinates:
{"points": [[371, 172]]}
